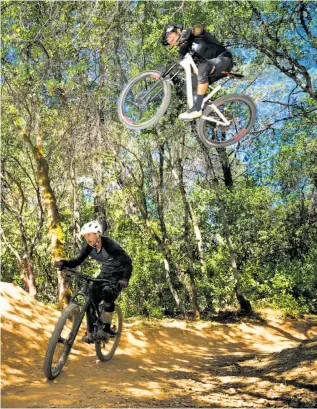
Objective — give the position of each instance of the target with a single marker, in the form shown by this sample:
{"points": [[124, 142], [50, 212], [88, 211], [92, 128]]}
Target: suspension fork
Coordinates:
{"points": [[145, 96], [162, 78]]}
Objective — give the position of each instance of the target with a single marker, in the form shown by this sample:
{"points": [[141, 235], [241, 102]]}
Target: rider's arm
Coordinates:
{"points": [[74, 262], [182, 51], [114, 249], [185, 41]]}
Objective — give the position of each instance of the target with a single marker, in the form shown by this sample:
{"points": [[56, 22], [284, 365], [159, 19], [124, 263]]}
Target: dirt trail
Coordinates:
{"points": [[168, 364]]}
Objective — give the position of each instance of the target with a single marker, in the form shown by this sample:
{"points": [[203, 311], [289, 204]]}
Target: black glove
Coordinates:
{"points": [[123, 283], [185, 34], [59, 264]]}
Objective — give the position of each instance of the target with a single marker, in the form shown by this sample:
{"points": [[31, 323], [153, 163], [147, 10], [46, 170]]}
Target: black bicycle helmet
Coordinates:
{"points": [[168, 29]]}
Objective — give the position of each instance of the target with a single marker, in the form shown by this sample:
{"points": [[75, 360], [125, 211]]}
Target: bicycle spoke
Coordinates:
{"points": [[144, 100], [139, 104], [64, 343], [237, 114]]}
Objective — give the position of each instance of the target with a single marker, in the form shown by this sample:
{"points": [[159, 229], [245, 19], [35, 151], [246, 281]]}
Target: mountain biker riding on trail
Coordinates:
{"points": [[217, 58], [116, 266]]}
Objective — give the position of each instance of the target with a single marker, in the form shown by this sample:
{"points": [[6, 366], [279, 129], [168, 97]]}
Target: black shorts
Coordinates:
{"points": [[220, 63]]}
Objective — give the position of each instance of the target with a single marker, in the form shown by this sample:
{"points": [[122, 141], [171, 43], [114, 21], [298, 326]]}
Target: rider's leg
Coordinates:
{"points": [[221, 63], [96, 297], [203, 71], [106, 317], [109, 298], [107, 320], [208, 72]]}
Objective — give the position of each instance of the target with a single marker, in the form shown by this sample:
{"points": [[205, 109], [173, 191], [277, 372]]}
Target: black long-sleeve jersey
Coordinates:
{"points": [[113, 259], [204, 44]]}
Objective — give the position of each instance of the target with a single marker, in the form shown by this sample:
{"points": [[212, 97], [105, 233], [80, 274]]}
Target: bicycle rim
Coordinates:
{"points": [[105, 349], [61, 341], [238, 110], [144, 101]]}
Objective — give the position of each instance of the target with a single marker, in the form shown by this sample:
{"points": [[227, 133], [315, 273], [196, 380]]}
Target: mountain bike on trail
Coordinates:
{"points": [[67, 327]]}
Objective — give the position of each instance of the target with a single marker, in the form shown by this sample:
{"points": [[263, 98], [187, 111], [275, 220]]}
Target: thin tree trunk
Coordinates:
{"points": [[158, 186], [190, 281], [23, 274], [25, 263], [140, 203], [49, 202], [245, 306], [188, 207], [167, 262], [28, 264], [100, 200], [76, 215]]}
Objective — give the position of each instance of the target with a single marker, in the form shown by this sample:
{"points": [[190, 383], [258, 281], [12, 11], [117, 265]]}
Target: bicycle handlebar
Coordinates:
{"points": [[69, 271], [177, 62]]}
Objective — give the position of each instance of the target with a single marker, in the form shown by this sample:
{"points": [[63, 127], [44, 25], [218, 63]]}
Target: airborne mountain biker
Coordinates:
{"points": [[217, 58], [116, 266]]}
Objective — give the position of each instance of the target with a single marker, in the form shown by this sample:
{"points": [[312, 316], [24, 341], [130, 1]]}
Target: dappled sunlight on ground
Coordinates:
{"points": [[165, 363]]}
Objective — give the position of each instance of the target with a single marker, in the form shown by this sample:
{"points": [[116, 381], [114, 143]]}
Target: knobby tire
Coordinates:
{"points": [[50, 370], [128, 121], [201, 123], [102, 353]]}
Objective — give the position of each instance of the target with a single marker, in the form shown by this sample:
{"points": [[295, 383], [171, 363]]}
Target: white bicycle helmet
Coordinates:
{"points": [[91, 227]]}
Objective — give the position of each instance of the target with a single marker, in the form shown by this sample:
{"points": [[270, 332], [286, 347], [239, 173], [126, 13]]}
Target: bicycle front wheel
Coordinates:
{"points": [[144, 100], [238, 109], [61, 341], [105, 349]]}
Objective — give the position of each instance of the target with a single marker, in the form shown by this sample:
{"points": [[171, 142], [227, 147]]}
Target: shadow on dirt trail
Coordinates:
{"points": [[164, 364]]}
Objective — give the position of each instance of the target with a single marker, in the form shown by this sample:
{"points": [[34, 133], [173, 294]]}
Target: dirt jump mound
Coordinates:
{"points": [[166, 363]]}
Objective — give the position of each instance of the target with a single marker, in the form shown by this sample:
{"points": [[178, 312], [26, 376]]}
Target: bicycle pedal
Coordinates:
{"points": [[102, 335]]}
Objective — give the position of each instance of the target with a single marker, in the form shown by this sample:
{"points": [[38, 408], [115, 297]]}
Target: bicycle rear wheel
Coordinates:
{"points": [[61, 341], [239, 109], [144, 100], [105, 349]]}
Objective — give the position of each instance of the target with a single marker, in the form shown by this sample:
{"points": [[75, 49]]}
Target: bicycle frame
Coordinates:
{"points": [[189, 66], [85, 291]]}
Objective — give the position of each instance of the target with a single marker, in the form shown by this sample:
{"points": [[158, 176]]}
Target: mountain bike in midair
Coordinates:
{"points": [[146, 98], [68, 325]]}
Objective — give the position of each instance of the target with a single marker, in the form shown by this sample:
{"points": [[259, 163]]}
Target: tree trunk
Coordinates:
{"points": [[76, 214], [190, 281], [49, 202], [158, 186], [21, 264], [188, 207], [172, 288], [31, 278], [100, 200], [138, 208], [167, 262], [245, 306], [25, 263]]}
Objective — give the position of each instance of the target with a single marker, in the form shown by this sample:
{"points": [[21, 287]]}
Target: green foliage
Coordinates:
{"points": [[65, 73]]}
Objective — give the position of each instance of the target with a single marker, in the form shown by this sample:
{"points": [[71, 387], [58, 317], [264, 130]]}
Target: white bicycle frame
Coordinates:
{"points": [[189, 66]]}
